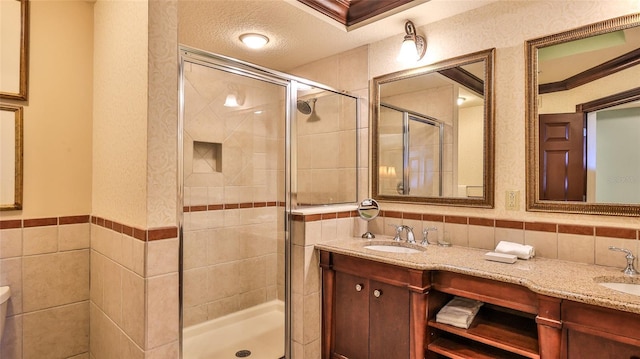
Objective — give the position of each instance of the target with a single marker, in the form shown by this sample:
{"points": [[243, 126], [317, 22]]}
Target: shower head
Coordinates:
{"points": [[306, 106]]}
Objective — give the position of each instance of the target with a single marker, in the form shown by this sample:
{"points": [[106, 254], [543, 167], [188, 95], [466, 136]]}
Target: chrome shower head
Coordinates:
{"points": [[306, 106]]}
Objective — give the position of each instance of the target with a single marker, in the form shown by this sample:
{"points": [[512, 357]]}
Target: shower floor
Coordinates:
{"points": [[258, 329]]}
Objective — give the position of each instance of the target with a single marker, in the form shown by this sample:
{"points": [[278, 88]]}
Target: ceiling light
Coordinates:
{"points": [[413, 45], [254, 41], [461, 100]]}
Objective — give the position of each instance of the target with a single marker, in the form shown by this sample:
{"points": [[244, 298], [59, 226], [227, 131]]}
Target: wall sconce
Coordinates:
{"points": [[234, 98], [413, 46], [461, 100]]}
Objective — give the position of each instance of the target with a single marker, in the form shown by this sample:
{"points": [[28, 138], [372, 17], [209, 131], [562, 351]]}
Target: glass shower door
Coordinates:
{"points": [[234, 202]]}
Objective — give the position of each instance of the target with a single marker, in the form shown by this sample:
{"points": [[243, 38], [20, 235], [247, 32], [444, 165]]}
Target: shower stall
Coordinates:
{"points": [[254, 145]]}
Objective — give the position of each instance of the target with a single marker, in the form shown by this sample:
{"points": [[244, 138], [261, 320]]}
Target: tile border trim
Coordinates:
{"points": [[140, 234], [559, 228]]}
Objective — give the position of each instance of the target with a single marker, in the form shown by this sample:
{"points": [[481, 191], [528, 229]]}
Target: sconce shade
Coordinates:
{"points": [[413, 47], [231, 101]]}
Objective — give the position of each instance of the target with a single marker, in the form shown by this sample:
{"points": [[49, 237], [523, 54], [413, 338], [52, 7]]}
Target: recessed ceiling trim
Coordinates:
{"points": [[353, 12]]}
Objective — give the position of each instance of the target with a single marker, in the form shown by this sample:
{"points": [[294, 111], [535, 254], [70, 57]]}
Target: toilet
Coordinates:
{"points": [[5, 294]]}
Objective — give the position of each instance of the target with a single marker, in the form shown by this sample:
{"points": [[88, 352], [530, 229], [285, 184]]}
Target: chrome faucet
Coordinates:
{"points": [[630, 270], [399, 228]]}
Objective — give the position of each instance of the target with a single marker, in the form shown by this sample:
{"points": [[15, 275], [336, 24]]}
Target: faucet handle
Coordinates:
{"points": [[629, 270], [425, 235], [398, 231]]}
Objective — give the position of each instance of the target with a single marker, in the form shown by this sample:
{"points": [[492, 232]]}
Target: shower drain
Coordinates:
{"points": [[243, 353]]}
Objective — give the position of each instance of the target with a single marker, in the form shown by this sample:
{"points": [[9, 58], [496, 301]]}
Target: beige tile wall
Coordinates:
{"points": [[134, 308], [306, 277], [46, 265]]}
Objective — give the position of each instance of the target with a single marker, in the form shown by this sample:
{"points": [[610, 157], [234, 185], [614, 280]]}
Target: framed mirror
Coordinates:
{"points": [[14, 17], [10, 157], [583, 119], [433, 133]]}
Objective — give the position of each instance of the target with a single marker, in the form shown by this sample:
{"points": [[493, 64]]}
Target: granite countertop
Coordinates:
{"points": [[552, 277]]}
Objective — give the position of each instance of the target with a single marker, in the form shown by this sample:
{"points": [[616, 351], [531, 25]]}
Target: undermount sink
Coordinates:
{"points": [[629, 285], [393, 248]]}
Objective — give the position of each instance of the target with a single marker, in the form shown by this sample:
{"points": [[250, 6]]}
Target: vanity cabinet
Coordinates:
{"points": [[372, 309], [596, 332], [513, 322]]}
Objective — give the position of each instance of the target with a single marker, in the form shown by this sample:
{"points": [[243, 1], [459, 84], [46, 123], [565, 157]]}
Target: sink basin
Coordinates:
{"points": [[628, 288], [390, 248], [629, 285]]}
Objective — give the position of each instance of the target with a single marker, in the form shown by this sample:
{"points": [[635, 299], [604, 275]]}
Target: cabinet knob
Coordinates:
{"points": [[359, 287], [377, 293]]}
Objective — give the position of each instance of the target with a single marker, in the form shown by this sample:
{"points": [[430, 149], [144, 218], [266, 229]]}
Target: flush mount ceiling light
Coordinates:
{"points": [[413, 46], [254, 41]]}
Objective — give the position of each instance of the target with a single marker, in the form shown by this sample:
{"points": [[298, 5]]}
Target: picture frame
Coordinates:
{"points": [[15, 49], [11, 157]]}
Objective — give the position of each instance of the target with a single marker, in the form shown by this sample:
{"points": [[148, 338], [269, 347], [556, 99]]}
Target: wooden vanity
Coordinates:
{"points": [[374, 308]]}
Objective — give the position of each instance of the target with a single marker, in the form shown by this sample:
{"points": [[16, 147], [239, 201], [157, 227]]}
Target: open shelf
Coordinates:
{"points": [[460, 348], [496, 328]]}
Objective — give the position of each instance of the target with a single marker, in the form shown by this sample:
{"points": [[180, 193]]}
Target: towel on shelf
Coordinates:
{"points": [[522, 251], [459, 312]]}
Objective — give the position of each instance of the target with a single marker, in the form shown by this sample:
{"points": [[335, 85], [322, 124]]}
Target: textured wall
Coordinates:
{"points": [[120, 111]]}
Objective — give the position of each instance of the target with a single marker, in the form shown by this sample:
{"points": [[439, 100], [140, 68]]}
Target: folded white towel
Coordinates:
{"points": [[456, 320], [459, 312], [523, 251]]}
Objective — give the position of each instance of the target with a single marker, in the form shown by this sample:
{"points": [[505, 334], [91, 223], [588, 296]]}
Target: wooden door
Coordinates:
{"points": [[389, 335], [351, 316], [563, 173]]}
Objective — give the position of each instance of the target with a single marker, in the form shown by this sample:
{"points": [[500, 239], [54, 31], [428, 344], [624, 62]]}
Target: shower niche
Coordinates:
{"points": [[207, 157]]}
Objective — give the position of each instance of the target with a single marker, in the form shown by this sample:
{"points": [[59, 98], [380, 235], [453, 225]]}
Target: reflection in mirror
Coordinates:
{"points": [[10, 157], [583, 119], [368, 210], [432, 133], [326, 142]]}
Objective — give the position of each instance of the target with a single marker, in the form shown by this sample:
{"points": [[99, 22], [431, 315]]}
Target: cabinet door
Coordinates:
{"points": [[388, 321], [351, 316], [583, 346]]}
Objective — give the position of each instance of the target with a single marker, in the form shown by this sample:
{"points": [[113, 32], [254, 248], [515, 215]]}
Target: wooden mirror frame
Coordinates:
{"points": [[534, 203], [487, 200]]}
